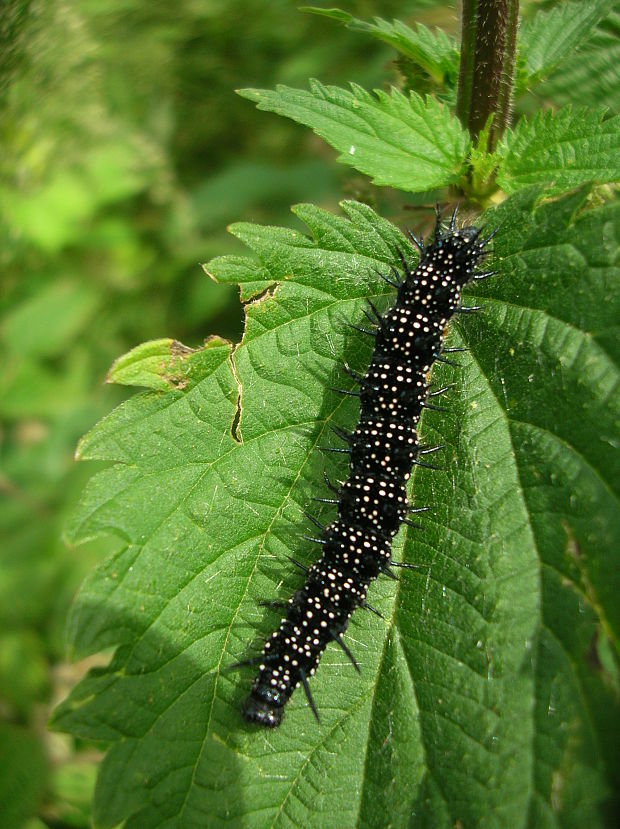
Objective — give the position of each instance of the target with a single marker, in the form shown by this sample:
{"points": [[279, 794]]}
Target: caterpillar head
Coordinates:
{"points": [[456, 254]]}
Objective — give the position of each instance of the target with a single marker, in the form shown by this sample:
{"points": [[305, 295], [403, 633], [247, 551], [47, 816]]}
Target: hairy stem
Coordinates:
{"points": [[488, 43]]}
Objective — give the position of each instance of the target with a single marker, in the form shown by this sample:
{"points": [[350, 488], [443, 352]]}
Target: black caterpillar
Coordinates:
{"points": [[372, 503]]}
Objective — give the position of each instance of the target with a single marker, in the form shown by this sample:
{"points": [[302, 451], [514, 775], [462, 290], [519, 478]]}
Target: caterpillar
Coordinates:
{"points": [[372, 503]]}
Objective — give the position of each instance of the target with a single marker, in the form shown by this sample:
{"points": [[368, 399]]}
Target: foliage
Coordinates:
{"points": [[117, 175], [590, 74], [434, 53], [550, 37], [507, 608], [378, 135], [564, 149], [489, 690]]}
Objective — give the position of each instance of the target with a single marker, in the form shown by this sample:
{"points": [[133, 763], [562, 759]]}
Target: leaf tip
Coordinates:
{"points": [[210, 274], [156, 364], [250, 93]]}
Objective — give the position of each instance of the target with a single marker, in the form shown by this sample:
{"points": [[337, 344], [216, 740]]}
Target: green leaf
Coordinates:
{"points": [[486, 694], [158, 364], [592, 73], [433, 51], [407, 142], [565, 148], [554, 35]]}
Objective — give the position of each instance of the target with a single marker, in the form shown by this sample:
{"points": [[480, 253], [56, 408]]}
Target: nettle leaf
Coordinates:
{"points": [[433, 51], [591, 74], [554, 35], [564, 149], [411, 143], [157, 364], [488, 692]]}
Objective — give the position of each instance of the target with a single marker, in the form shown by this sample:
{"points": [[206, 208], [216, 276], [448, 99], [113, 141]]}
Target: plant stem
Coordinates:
{"points": [[488, 43]]}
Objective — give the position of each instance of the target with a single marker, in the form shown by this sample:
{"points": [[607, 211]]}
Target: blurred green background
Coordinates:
{"points": [[124, 154]]}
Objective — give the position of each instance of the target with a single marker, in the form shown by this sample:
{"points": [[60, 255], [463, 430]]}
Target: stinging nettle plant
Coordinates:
{"points": [[488, 693]]}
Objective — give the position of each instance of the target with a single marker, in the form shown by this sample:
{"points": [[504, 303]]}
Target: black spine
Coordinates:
{"points": [[372, 503]]}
